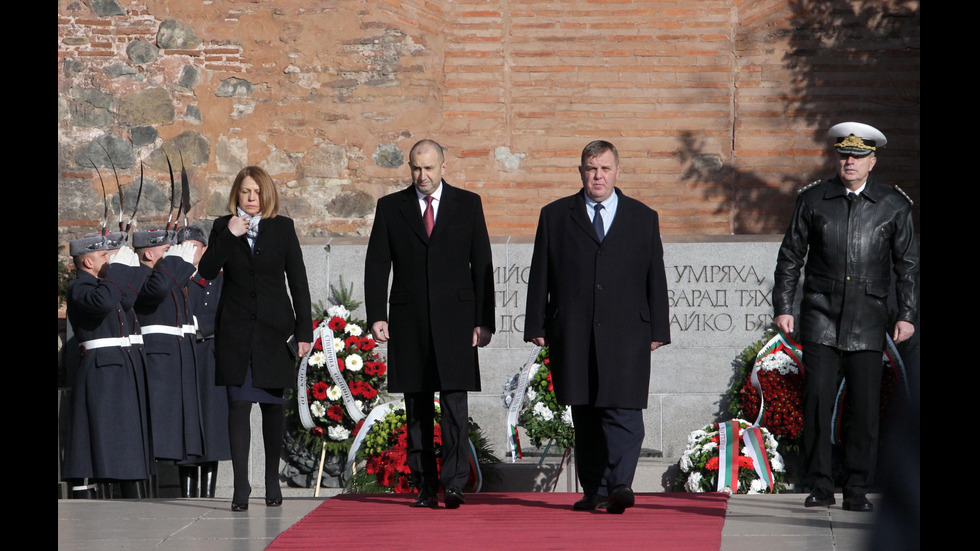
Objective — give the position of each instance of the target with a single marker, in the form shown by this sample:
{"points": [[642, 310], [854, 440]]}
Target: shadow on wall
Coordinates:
{"points": [[846, 61]]}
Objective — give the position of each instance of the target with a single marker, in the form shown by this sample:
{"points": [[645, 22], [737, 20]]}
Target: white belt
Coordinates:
{"points": [[136, 339], [105, 343], [164, 329]]}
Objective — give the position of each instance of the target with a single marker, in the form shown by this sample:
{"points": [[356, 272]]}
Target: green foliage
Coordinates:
{"points": [[543, 417]]}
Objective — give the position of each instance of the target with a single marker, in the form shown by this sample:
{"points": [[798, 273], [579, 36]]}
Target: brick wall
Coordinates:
{"points": [[719, 107]]}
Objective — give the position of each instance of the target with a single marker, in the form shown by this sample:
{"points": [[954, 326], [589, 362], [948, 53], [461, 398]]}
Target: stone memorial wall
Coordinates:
{"points": [[720, 301]]}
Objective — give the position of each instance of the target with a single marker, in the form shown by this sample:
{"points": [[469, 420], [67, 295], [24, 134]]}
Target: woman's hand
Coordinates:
{"points": [[238, 225]]}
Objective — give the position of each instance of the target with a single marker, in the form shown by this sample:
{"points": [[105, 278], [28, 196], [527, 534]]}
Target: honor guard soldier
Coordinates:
{"points": [[108, 441], [203, 296], [168, 341]]}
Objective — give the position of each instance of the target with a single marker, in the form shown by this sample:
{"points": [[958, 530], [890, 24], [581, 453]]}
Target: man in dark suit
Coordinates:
{"points": [[597, 297], [435, 238]]}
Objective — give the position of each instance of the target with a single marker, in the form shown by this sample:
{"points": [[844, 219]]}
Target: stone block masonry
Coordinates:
{"points": [[719, 108]]}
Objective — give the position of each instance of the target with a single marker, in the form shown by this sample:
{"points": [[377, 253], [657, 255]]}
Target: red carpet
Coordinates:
{"points": [[511, 521]]}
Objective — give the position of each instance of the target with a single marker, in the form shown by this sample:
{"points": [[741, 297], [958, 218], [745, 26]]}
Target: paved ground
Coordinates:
{"points": [[753, 522]]}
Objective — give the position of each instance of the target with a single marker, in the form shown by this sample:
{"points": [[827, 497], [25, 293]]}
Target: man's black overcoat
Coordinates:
{"points": [[616, 288], [442, 286]]}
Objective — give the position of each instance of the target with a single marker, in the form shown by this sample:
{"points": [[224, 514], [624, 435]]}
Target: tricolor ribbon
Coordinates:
{"points": [[755, 447], [728, 456], [513, 415], [779, 342], [894, 360]]}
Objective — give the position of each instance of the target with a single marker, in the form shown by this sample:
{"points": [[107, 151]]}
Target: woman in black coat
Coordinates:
{"points": [[255, 249]]}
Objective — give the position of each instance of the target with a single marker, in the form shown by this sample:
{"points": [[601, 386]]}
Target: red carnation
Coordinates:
{"points": [[712, 464], [317, 431], [340, 364]]}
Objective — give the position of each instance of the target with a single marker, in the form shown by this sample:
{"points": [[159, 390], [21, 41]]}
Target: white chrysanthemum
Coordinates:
{"points": [[531, 394], [693, 483], [354, 362], [317, 409], [709, 446], [317, 359], [756, 486], [776, 462], [354, 330], [543, 412], [359, 405], [338, 311], [338, 433], [685, 463], [566, 416], [779, 361], [338, 344], [334, 392], [695, 436]]}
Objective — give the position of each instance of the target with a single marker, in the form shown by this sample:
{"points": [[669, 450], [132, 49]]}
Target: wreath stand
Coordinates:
{"points": [[319, 470], [566, 456]]}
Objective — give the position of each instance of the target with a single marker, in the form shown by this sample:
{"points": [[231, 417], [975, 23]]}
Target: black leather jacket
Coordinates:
{"points": [[853, 247]]}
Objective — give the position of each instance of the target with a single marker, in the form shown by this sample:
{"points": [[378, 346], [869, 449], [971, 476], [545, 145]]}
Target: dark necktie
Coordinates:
{"points": [[600, 228], [428, 220]]}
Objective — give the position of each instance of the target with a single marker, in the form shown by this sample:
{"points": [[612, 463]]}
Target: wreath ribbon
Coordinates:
{"points": [[728, 455], [513, 439], [333, 368], [891, 356], [304, 404], [780, 342], [755, 447]]}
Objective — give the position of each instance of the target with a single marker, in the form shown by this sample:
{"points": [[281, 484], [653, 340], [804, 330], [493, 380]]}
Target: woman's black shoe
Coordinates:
{"points": [[239, 506], [273, 501]]}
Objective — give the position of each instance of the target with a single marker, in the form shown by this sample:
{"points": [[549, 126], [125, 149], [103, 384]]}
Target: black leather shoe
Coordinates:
{"points": [[590, 503], [454, 498], [273, 501], [620, 499], [426, 498], [239, 506], [857, 502], [819, 498]]}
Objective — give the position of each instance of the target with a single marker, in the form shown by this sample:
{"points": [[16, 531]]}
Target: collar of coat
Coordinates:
{"points": [[580, 217], [410, 210], [872, 190]]}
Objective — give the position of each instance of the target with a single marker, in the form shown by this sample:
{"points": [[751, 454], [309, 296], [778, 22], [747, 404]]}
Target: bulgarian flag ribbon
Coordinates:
{"points": [[780, 342], [728, 456], [755, 447]]}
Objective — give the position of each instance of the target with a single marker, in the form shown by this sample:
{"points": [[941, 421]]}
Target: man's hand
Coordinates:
{"points": [[903, 330], [303, 348], [481, 336], [379, 330], [655, 345], [539, 341], [785, 323]]}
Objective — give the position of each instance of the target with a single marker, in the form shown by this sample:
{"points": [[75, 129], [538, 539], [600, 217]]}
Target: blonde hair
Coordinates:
{"points": [[267, 191]]}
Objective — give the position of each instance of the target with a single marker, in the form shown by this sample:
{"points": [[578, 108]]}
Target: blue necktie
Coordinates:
{"points": [[600, 229]]}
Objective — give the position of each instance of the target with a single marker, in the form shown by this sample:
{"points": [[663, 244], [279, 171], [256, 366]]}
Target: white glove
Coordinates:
{"points": [[190, 250], [125, 256], [175, 250]]}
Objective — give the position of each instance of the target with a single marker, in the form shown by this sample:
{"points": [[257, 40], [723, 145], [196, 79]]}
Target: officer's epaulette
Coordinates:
{"points": [[809, 186], [898, 189]]}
